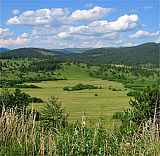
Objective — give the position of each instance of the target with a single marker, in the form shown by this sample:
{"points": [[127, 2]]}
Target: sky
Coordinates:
{"points": [[56, 24]]}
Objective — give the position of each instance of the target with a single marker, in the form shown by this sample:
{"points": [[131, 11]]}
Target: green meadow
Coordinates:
{"points": [[82, 101]]}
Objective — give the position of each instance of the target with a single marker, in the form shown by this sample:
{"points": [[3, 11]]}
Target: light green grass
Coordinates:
{"points": [[77, 102]]}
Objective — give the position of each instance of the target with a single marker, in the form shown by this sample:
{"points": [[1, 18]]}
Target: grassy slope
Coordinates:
{"points": [[76, 102]]}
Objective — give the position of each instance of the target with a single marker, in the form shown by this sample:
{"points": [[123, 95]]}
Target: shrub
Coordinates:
{"points": [[12, 99], [114, 89], [80, 87], [144, 108], [132, 93], [53, 114]]}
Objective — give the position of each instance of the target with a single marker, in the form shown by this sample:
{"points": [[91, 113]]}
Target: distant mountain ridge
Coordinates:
{"points": [[147, 53], [29, 53], [78, 50], [3, 49], [73, 50]]}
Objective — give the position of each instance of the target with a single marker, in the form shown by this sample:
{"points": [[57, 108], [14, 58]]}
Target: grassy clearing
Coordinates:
{"points": [[77, 102]]}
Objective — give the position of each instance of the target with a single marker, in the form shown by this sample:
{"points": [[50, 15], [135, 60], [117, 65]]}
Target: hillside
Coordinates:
{"points": [[147, 53], [78, 50], [4, 49], [29, 53], [62, 51]]}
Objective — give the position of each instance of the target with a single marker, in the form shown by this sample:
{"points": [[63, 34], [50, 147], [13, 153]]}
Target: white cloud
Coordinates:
{"points": [[89, 15], [118, 41], [49, 31], [59, 28], [143, 34], [97, 31], [63, 35], [4, 33], [39, 17], [127, 45], [58, 16], [28, 13], [16, 11], [11, 42], [125, 22], [100, 28], [24, 35], [147, 7]]}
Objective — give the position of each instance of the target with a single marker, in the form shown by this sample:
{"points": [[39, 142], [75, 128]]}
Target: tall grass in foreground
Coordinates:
{"points": [[22, 135]]}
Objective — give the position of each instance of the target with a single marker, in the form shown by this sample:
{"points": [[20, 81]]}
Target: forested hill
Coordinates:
{"points": [[4, 49], [29, 53], [147, 53]]}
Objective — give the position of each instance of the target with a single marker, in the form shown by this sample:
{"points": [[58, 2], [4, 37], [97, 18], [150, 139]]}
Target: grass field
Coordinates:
{"points": [[77, 102]]}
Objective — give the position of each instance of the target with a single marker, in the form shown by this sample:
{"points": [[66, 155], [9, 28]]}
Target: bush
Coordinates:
{"points": [[53, 114], [80, 87], [12, 99], [132, 93], [66, 88], [26, 86], [144, 108], [114, 89]]}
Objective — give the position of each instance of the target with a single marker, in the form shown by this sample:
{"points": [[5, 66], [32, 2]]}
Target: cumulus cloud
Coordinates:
{"points": [[59, 28], [109, 29], [89, 15], [58, 16], [39, 17], [143, 34], [24, 35], [16, 11], [13, 42], [4, 33], [63, 35]]}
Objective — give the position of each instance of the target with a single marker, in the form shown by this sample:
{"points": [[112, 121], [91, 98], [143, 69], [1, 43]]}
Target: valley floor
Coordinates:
{"points": [[76, 102]]}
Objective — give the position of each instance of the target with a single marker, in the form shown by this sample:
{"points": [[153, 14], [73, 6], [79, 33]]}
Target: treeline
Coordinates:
{"points": [[29, 53], [131, 56], [145, 54], [16, 99], [131, 77], [16, 72]]}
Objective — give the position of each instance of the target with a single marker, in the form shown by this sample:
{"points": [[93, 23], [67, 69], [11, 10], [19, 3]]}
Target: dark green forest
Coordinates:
{"points": [[131, 56], [147, 54]]}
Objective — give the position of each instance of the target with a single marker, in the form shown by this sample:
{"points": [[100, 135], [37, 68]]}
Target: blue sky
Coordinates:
{"points": [[78, 23]]}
